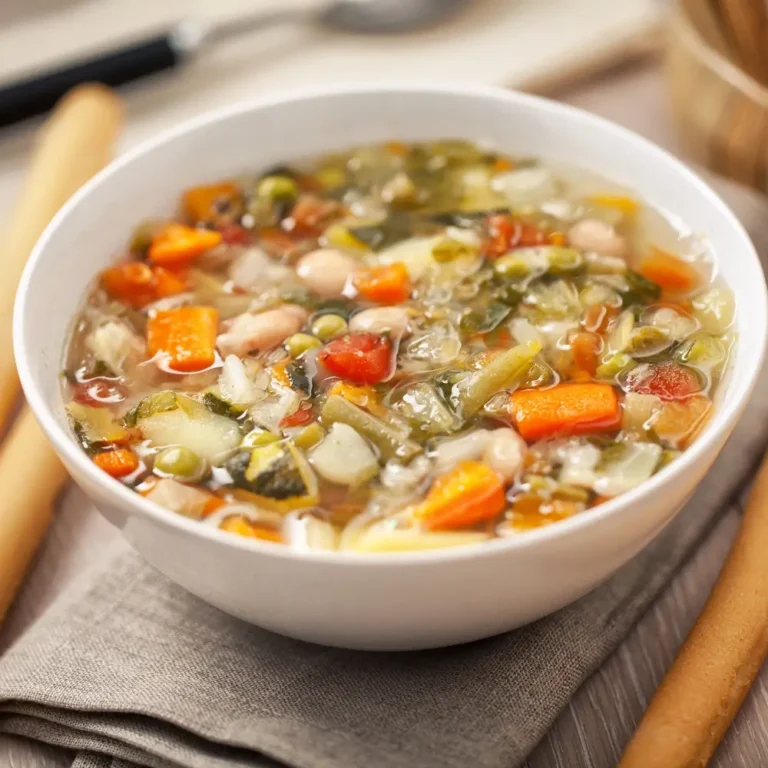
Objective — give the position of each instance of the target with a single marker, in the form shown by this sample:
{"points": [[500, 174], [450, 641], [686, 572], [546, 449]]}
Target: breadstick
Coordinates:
{"points": [[719, 660], [75, 143]]}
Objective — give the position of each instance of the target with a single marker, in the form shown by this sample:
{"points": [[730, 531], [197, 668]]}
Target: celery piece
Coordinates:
{"points": [[614, 365], [391, 442]]}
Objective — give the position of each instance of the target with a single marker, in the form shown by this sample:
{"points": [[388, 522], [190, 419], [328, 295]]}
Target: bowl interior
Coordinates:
{"points": [[92, 229]]}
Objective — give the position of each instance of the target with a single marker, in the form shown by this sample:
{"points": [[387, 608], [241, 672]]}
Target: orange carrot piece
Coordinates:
{"points": [[213, 504], [501, 164], [362, 396], [598, 317], [132, 282], [244, 527], [469, 494], [168, 283], [585, 347], [176, 245], [567, 409], [387, 284], [280, 374], [118, 462], [397, 148], [627, 205], [185, 338], [198, 203], [670, 272]]}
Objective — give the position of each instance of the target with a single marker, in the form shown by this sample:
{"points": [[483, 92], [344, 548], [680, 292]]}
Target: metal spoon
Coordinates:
{"points": [[38, 93]]}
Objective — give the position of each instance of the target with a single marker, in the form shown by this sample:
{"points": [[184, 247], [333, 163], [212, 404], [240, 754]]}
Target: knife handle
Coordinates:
{"points": [[38, 93]]}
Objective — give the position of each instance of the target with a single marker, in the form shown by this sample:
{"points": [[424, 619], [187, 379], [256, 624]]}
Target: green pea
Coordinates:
{"points": [[180, 462], [447, 249], [326, 327], [300, 343], [277, 189], [258, 437]]}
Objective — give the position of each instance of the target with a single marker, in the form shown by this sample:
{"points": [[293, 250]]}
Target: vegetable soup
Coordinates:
{"points": [[403, 346]]}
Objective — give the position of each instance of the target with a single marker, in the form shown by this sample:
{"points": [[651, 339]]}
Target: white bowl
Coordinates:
{"points": [[398, 601]]}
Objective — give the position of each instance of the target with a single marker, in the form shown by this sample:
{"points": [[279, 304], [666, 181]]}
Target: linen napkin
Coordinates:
{"points": [[129, 670]]}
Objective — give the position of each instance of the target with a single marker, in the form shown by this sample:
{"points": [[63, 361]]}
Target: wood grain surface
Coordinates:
{"points": [[594, 728]]}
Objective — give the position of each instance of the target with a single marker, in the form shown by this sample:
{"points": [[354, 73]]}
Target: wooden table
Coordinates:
{"points": [[593, 729]]}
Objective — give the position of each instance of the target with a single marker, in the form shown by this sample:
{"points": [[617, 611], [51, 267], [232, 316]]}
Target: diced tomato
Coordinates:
{"points": [[310, 213], [669, 381], [302, 416], [98, 392], [364, 358], [506, 233], [234, 234]]}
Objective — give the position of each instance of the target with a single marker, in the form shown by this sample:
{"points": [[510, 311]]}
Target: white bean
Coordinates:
{"points": [[262, 331], [596, 236], [381, 319], [325, 272], [505, 453]]}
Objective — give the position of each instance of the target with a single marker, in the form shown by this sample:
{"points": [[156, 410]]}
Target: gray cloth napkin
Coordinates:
{"points": [[129, 670]]}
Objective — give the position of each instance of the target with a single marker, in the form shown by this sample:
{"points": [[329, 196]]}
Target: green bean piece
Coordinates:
{"points": [[392, 443], [563, 261], [277, 189], [300, 343], [181, 463], [508, 369], [327, 327]]}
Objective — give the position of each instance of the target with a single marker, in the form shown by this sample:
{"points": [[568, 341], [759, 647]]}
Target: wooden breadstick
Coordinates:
{"points": [[75, 143], [33, 477], [719, 660]]}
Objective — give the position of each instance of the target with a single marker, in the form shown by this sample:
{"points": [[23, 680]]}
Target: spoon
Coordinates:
{"points": [[172, 47]]}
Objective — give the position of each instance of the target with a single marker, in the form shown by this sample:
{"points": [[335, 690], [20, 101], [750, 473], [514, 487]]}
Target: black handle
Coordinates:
{"points": [[38, 93]]}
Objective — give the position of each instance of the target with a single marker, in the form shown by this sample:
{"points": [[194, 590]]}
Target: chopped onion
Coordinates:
{"points": [[579, 460], [524, 331], [621, 336], [677, 325], [307, 531], [525, 186], [344, 457], [270, 411], [236, 386], [114, 344], [179, 498], [399, 477], [253, 269], [469, 447], [415, 253], [714, 309], [639, 410], [439, 345], [635, 465]]}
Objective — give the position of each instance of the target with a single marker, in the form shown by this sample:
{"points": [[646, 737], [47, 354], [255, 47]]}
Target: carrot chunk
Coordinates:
{"points": [[387, 284], [469, 494], [168, 283], [184, 338], [118, 462], [199, 202], [585, 347], [623, 203], [131, 282], [176, 244], [671, 273], [567, 409], [135, 283]]}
